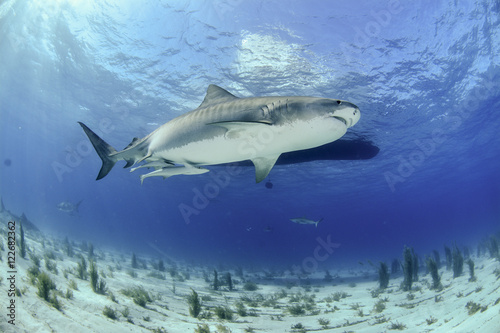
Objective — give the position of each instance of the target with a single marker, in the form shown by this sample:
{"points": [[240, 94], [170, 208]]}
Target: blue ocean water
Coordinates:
{"points": [[425, 75]]}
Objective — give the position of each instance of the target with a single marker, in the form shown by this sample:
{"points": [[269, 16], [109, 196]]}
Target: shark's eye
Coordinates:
{"points": [[339, 102]]}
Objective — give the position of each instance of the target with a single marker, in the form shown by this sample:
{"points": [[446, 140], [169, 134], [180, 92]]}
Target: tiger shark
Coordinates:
{"points": [[227, 129]]}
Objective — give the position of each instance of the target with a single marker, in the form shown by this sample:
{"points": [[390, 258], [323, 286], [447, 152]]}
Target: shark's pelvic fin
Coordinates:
{"points": [[103, 149], [263, 166]]}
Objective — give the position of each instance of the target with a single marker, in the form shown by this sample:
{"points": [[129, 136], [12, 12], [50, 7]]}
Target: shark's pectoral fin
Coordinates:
{"points": [[242, 129], [263, 166]]}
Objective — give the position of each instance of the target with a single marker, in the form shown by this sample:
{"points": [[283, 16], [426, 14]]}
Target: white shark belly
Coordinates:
{"points": [[216, 150], [253, 141]]}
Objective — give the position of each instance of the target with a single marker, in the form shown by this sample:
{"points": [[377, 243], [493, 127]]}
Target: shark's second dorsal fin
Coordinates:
{"points": [[134, 141], [216, 95]]}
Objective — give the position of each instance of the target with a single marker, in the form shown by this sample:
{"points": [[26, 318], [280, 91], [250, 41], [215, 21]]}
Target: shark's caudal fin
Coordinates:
{"points": [[103, 150]]}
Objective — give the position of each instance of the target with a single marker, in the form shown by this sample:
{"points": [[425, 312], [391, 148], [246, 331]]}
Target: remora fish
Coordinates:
{"points": [[174, 170], [69, 207], [226, 129], [303, 220]]}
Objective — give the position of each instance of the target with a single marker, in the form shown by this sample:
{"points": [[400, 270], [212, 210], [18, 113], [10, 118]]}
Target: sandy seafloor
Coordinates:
{"points": [[418, 310]]}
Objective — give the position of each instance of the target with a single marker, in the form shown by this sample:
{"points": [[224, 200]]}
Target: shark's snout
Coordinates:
{"points": [[356, 114], [349, 114]]}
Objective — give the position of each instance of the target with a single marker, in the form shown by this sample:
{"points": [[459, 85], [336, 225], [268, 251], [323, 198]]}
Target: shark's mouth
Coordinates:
{"points": [[341, 119]]}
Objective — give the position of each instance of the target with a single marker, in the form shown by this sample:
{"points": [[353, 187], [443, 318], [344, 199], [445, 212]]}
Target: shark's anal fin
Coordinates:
{"points": [[130, 162], [263, 166]]}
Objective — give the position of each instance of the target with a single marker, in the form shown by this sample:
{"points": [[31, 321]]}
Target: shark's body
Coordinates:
{"points": [[303, 220], [69, 207], [226, 129]]}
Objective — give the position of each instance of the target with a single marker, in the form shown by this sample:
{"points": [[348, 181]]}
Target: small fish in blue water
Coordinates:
{"points": [[303, 220]]}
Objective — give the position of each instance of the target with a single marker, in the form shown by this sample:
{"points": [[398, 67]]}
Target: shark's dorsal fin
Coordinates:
{"points": [[263, 166], [134, 141], [216, 95]]}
